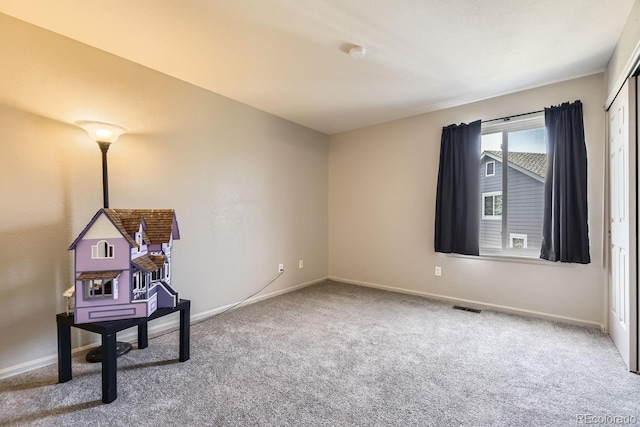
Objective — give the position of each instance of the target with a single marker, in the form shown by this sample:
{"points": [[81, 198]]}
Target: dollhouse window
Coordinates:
{"points": [[138, 285], [139, 241], [101, 250], [99, 288], [157, 275]]}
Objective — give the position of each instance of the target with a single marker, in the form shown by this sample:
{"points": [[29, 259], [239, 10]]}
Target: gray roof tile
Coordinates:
{"points": [[533, 162]]}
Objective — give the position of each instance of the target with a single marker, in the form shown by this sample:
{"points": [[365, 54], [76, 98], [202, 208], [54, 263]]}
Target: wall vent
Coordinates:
{"points": [[472, 310]]}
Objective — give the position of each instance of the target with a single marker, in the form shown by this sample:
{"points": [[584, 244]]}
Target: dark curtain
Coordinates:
{"points": [[565, 233], [457, 198]]}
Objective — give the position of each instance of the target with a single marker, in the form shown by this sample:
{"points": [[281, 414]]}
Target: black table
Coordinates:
{"points": [[108, 331]]}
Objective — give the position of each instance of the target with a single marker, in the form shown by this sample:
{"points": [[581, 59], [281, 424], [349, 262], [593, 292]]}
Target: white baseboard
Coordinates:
{"points": [[38, 363], [155, 328], [210, 313], [478, 304]]}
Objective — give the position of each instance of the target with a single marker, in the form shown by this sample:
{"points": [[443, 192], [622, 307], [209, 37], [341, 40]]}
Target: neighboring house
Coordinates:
{"points": [[525, 179], [123, 264]]}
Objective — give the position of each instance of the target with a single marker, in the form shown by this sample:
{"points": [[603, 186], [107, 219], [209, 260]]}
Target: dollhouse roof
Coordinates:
{"points": [[145, 263], [158, 225], [158, 259], [93, 275], [117, 221]]}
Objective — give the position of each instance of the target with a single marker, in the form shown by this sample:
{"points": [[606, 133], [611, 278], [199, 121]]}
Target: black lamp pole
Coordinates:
{"points": [[104, 147], [95, 355]]}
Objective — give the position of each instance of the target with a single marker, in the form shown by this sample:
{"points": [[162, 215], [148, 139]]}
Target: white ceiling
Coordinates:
{"points": [[288, 57]]}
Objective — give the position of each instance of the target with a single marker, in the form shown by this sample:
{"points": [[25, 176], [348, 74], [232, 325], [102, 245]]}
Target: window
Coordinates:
{"points": [[139, 241], [492, 205], [518, 241], [138, 286], [490, 168], [157, 275], [102, 249], [99, 288], [512, 188]]}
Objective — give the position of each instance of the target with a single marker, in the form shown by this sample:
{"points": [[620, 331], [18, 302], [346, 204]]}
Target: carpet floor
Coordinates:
{"points": [[340, 355]]}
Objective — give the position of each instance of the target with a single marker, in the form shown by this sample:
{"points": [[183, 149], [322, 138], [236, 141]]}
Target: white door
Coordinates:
{"points": [[622, 197]]}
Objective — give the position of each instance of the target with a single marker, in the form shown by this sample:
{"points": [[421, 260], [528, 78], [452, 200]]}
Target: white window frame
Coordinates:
{"points": [[486, 168], [108, 249], [88, 285], [136, 282], [491, 194], [507, 251], [517, 236]]}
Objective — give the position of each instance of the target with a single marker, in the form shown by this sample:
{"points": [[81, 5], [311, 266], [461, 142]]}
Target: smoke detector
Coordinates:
{"points": [[357, 52]]}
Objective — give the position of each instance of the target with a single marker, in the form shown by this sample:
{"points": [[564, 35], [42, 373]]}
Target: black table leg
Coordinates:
{"points": [[64, 352], [109, 364], [185, 318], [143, 335]]}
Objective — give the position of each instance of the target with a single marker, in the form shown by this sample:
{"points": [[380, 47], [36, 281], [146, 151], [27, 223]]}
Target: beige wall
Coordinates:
{"points": [[249, 189], [382, 189], [628, 46]]}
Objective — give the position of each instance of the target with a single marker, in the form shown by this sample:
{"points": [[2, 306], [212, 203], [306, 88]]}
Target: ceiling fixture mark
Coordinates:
{"points": [[357, 52]]}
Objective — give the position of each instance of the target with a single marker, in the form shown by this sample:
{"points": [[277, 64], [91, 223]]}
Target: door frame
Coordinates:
{"points": [[634, 261]]}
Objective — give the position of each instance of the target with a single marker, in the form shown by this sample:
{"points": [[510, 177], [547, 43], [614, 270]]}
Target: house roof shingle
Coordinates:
{"points": [[159, 222], [159, 225], [535, 163], [158, 260], [117, 221], [98, 275], [146, 263]]}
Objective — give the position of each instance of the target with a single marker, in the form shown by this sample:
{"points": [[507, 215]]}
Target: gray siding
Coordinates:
{"points": [[524, 207], [525, 211], [490, 229]]}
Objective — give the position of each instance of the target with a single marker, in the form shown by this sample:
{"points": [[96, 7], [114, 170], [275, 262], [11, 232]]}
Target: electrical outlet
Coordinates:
{"points": [[280, 268], [438, 271], [301, 263]]}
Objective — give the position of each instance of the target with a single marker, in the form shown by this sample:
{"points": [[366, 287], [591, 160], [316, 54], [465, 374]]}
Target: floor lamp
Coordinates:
{"points": [[104, 134]]}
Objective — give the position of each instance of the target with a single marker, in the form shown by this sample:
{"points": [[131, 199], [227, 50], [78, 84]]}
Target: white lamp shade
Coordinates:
{"points": [[102, 132]]}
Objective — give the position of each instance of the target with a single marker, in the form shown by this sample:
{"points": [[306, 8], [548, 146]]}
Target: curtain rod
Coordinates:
{"points": [[507, 118]]}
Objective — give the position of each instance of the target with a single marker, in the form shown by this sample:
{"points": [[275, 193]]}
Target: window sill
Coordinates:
{"points": [[513, 258]]}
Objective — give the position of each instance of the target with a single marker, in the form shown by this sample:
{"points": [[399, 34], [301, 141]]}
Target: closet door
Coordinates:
{"points": [[622, 208]]}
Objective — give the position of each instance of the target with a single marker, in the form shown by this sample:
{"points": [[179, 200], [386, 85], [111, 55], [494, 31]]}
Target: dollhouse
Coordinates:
{"points": [[123, 264]]}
